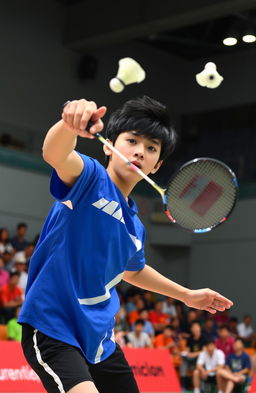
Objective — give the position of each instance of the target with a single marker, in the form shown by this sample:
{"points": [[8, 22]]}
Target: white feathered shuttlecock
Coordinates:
{"points": [[129, 71], [209, 77]]}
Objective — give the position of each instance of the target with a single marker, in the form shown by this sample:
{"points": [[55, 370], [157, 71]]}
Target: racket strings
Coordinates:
{"points": [[201, 195]]}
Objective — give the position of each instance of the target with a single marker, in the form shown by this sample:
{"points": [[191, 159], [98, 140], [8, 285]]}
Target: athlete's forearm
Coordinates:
{"points": [[149, 279], [58, 144]]}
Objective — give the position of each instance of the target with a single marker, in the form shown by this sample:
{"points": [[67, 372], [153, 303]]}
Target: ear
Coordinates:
{"points": [[106, 149], [156, 167]]}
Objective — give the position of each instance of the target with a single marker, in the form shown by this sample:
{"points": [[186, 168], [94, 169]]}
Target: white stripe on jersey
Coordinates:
{"points": [[98, 299]]}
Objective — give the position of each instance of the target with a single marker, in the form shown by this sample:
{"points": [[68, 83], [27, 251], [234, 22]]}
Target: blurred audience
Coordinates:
{"points": [[158, 319], [169, 307], [18, 241], [4, 275], [11, 296], [209, 361], [195, 344], [14, 329], [225, 341], [138, 338], [245, 330], [236, 371], [148, 327]]}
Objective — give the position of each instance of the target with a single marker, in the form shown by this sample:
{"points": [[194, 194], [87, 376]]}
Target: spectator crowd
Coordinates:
{"points": [[206, 350]]}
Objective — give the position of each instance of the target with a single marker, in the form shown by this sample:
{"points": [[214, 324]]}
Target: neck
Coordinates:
{"points": [[124, 186]]}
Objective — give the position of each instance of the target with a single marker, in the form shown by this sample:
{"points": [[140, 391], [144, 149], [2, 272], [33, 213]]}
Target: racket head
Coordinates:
{"points": [[201, 195]]}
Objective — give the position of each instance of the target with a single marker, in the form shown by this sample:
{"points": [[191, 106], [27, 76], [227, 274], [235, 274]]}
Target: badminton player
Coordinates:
{"points": [[91, 240]]}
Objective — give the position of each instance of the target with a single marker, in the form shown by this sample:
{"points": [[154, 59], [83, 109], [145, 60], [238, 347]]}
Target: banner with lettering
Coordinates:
{"points": [[153, 370]]}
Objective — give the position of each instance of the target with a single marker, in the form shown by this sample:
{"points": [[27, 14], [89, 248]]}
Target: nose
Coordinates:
{"points": [[139, 151]]}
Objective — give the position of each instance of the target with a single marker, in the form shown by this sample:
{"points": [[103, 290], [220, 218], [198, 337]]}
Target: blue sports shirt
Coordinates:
{"points": [[90, 237], [238, 363]]}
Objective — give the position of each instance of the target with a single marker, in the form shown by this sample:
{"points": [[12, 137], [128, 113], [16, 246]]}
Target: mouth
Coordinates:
{"points": [[137, 164]]}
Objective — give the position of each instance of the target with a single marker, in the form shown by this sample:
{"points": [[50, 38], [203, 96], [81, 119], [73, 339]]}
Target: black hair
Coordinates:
{"points": [[147, 117], [209, 341], [139, 322], [224, 326], [170, 327], [21, 225], [12, 274]]}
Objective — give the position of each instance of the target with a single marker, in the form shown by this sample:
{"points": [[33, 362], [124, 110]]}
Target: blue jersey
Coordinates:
{"points": [[90, 237], [238, 363]]}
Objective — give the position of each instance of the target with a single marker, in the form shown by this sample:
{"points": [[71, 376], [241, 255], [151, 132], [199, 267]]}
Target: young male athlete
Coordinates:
{"points": [[91, 240]]}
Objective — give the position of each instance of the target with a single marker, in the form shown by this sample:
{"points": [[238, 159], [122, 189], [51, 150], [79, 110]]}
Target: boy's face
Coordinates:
{"points": [[141, 151]]}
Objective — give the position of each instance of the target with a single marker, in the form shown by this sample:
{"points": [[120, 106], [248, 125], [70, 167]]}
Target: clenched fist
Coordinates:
{"points": [[76, 115]]}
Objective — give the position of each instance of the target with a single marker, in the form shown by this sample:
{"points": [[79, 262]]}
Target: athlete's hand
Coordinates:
{"points": [[206, 299], [76, 115]]}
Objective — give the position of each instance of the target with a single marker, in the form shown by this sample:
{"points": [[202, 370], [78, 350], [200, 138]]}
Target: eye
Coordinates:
{"points": [[152, 148], [131, 140]]}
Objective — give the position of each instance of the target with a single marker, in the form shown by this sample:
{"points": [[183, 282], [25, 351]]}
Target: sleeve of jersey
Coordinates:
{"points": [[61, 192], [137, 262]]}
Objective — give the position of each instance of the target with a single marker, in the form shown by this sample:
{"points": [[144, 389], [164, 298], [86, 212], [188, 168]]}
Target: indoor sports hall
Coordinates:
{"points": [[170, 284]]}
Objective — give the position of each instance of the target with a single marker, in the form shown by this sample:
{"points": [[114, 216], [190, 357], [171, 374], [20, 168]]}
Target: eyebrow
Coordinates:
{"points": [[154, 141]]}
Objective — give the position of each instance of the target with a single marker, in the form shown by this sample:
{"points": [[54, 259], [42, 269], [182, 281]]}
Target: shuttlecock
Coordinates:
{"points": [[129, 71], [209, 77]]}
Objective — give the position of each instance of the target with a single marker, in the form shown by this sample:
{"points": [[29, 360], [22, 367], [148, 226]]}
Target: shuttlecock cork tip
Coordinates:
{"points": [[116, 85]]}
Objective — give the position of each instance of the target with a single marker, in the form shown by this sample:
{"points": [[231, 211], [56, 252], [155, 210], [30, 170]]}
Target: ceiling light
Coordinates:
{"points": [[230, 41], [248, 38]]}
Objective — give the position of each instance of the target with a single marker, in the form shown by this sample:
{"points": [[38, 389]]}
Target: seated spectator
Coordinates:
{"points": [[121, 321], [225, 341], [148, 327], [209, 361], [134, 314], [195, 345], [149, 300], [121, 339], [245, 330], [14, 329], [158, 319], [19, 242], [6, 249], [4, 275], [165, 340], [175, 322], [137, 338], [187, 322], [21, 268], [233, 327], [132, 295], [169, 307], [209, 329], [236, 371], [11, 296]]}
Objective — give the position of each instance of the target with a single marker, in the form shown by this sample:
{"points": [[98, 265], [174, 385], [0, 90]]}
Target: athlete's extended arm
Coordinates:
{"points": [[60, 141], [203, 299]]}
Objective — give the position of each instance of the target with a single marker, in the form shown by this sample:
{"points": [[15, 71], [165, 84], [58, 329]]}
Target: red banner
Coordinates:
{"points": [[153, 370], [253, 385], [15, 373]]}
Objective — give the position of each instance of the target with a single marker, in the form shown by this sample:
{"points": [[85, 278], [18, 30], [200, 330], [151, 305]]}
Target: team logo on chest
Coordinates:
{"points": [[114, 210], [110, 207]]}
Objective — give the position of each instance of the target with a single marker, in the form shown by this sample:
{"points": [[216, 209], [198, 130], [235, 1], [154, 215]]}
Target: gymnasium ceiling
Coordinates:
{"points": [[187, 28]]}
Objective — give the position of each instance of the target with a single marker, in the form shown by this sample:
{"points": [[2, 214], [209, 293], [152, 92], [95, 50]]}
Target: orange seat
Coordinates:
{"points": [[250, 351], [3, 332]]}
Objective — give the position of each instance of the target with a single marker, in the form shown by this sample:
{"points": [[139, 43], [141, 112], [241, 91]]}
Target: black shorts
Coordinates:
{"points": [[61, 366]]}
